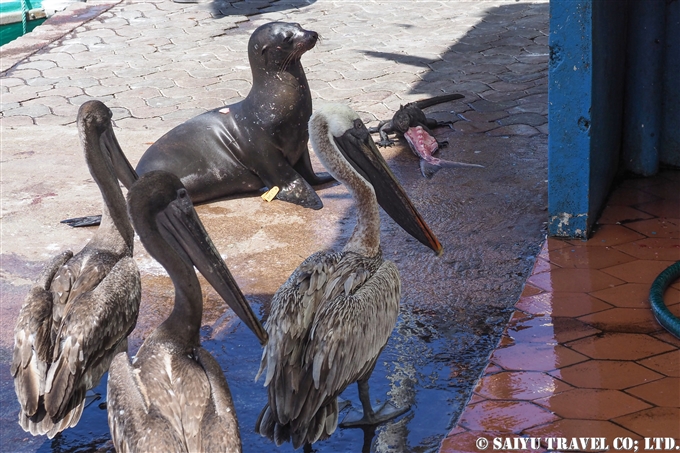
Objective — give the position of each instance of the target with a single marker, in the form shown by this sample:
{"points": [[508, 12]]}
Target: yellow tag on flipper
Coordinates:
{"points": [[270, 194]]}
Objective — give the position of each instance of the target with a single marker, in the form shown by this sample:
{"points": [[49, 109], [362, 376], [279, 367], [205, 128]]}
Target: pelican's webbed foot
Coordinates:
{"points": [[384, 413], [371, 416]]}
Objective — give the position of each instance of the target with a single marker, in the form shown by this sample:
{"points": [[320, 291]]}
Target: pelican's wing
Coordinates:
{"points": [[92, 328], [32, 339], [219, 426], [135, 425], [78, 276], [348, 334], [292, 313]]}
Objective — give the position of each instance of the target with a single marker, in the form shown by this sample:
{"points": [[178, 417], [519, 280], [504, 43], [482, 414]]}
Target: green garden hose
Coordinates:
{"points": [[661, 313]]}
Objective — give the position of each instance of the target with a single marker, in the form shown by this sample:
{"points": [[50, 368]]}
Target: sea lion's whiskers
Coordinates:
{"points": [[292, 57]]}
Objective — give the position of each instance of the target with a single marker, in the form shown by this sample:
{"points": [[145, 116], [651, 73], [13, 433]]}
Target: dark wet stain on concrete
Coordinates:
{"points": [[454, 306]]}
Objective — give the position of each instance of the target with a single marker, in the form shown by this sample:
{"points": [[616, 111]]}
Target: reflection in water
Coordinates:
{"points": [[414, 369]]}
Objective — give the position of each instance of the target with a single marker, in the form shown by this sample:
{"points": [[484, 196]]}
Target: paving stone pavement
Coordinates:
{"points": [[158, 63]]}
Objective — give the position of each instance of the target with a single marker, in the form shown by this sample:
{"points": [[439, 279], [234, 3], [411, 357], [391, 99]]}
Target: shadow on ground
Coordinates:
{"points": [[251, 7]]}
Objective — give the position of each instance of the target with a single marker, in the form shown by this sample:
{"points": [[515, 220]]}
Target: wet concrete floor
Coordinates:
{"points": [[454, 306]]}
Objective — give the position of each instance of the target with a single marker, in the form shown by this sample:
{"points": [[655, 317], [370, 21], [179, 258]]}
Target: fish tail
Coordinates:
{"points": [[428, 169]]}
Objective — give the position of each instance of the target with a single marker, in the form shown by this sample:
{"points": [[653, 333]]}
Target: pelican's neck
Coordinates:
{"points": [[115, 232], [184, 323], [365, 239]]}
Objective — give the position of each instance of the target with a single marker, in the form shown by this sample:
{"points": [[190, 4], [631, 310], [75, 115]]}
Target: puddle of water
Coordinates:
{"points": [[415, 368]]}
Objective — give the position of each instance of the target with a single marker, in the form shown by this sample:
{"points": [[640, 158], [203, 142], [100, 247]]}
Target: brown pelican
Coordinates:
{"points": [[80, 311], [331, 319], [173, 397]]}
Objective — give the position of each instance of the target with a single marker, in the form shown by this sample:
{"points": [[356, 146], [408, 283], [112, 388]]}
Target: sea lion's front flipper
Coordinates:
{"points": [[304, 168], [292, 186], [298, 191]]}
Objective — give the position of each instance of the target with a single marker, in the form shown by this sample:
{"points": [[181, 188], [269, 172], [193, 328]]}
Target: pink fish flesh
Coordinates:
{"points": [[424, 146]]}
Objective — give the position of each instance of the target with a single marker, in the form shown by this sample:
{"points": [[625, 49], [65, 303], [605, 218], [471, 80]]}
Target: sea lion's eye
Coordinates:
{"points": [[287, 38]]}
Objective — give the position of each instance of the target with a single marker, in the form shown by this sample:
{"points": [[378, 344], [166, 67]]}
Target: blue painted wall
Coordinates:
{"points": [[585, 97], [608, 83], [569, 108], [670, 132], [644, 70], [614, 101]]}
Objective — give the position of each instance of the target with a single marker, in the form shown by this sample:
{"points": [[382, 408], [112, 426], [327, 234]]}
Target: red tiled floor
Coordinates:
{"points": [[504, 416], [657, 228], [535, 357], [620, 346], [668, 363], [611, 235], [631, 320], [639, 271], [561, 304], [592, 404], [574, 428], [606, 374], [574, 280], [549, 329], [589, 257], [615, 214], [583, 342], [661, 208], [654, 422], [664, 392], [667, 191], [632, 295], [521, 385], [630, 197], [667, 337], [665, 249]]}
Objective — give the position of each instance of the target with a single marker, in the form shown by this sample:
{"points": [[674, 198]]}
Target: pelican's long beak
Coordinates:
{"points": [[358, 148], [182, 223], [121, 166]]}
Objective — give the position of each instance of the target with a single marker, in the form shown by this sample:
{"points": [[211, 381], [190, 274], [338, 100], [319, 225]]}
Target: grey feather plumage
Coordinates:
{"points": [[323, 338], [173, 395], [82, 307], [330, 320], [170, 400]]}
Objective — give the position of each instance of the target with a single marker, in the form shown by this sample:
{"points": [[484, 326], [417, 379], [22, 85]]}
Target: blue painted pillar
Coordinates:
{"points": [[614, 98], [670, 133], [644, 87], [585, 110], [569, 103]]}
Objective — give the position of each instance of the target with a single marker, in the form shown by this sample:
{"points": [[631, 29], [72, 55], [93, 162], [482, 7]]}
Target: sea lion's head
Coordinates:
{"points": [[278, 44]]}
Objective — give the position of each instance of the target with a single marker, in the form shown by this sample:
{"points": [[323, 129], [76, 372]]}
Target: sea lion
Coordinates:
{"points": [[244, 147], [258, 142]]}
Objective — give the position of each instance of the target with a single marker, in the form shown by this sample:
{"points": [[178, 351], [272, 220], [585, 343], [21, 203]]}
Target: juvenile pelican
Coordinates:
{"points": [[82, 308], [331, 319], [174, 397]]}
